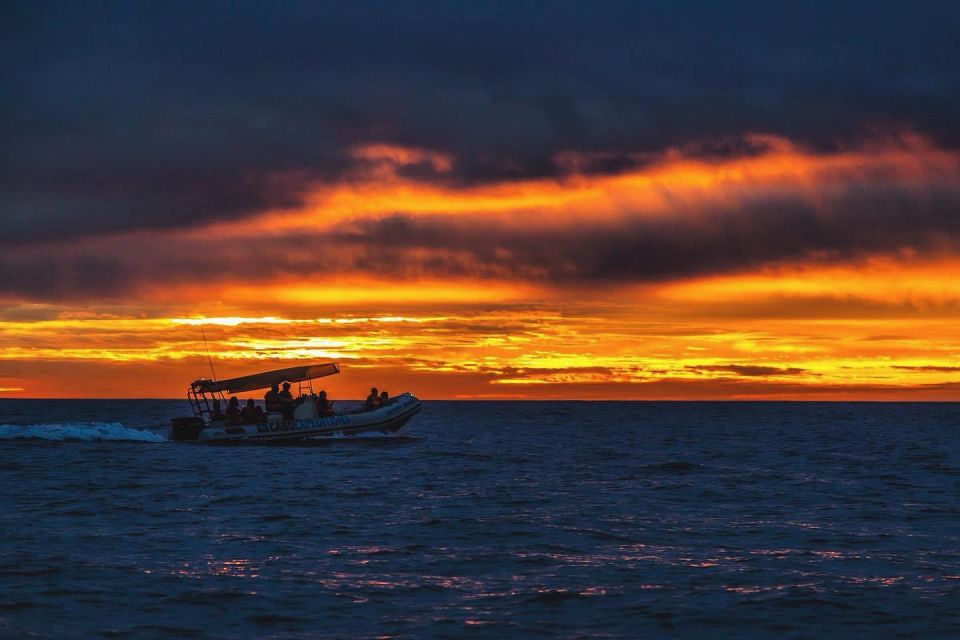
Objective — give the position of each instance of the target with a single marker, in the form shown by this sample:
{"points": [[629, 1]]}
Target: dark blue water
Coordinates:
{"points": [[489, 520]]}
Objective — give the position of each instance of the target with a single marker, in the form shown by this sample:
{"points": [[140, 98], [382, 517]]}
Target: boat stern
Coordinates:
{"points": [[186, 429]]}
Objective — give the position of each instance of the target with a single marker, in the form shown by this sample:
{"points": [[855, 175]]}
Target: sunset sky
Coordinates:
{"points": [[665, 200]]}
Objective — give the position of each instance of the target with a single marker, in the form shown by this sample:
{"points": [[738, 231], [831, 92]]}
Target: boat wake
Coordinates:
{"points": [[79, 431], [369, 435], [345, 439]]}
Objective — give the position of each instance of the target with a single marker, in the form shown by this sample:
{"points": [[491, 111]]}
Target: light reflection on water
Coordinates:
{"points": [[746, 521]]}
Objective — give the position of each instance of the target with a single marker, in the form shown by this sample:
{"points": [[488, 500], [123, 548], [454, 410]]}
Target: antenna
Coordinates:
{"points": [[210, 360]]}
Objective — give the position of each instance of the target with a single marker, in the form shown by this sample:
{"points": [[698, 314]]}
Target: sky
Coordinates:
{"points": [[482, 200]]}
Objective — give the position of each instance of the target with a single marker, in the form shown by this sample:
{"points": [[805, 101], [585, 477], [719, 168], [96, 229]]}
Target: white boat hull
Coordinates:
{"points": [[387, 419]]}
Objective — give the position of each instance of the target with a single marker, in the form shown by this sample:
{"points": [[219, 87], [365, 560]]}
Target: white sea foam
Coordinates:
{"points": [[83, 431], [370, 435]]}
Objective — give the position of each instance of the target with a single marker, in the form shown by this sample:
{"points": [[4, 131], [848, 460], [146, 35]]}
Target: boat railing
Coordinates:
{"points": [[199, 402]]}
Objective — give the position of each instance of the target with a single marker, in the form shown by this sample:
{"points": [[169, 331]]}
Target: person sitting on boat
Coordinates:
{"points": [[271, 400], [384, 398], [324, 406], [286, 402], [233, 409], [215, 412], [251, 412], [373, 400]]}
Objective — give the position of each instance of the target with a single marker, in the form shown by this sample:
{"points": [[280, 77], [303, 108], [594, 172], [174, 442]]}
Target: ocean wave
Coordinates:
{"points": [[79, 431]]}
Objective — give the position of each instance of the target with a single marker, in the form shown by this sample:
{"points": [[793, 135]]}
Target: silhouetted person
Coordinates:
{"points": [[251, 412], [286, 402], [271, 400], [373, 400], [233, 409], [215, 412], [324, 406], [384, 398]]}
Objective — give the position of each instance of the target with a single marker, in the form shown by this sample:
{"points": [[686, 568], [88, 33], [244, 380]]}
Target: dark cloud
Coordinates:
{"points": [[758, 232], [848, 225], [749, 370], [927, 368], [533, 372], [144, 115]]}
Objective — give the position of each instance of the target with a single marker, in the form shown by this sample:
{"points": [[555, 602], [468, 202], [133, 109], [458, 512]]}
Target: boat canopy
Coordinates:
{"points": [[267, 379]]}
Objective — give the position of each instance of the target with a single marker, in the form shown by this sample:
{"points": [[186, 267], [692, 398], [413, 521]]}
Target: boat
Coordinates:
{"points": [[202, 426]]}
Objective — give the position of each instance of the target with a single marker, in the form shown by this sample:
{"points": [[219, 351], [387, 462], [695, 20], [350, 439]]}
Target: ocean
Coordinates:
{"points": [[487, 520]]}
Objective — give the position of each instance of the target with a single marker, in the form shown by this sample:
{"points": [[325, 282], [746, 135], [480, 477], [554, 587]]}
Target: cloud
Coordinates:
{"points": [[756, 229], [749, 371], [166, 115], [756, 232]]}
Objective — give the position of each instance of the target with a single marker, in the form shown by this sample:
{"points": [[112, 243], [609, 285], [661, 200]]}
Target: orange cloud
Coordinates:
{"points": [[671, 183]]}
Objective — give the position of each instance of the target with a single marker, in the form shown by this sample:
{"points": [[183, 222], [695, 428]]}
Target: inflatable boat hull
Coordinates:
{"points": [[388, 419]]}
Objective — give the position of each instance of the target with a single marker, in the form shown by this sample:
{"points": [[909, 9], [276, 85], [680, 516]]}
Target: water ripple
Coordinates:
{"points": [[493, 520]]}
